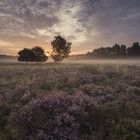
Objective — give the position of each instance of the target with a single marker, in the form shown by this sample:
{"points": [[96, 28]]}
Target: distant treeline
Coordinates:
{"points": [[117, 49]]}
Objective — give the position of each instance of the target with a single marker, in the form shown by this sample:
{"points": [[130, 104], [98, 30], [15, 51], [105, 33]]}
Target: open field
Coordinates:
{"points": [[69, 101], [79, 60]]}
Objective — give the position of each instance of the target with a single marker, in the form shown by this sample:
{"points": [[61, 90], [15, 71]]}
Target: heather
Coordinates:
{"points": [[69, 102]]}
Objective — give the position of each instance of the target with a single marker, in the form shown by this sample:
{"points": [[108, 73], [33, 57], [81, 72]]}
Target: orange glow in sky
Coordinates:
{"points": [[88, 24]]}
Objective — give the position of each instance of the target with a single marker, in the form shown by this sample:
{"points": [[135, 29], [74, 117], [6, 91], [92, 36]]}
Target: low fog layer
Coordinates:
{"points": [[87, 61], [99, 61]]}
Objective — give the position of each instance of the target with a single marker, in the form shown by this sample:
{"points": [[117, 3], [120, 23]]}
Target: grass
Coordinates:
{"points": [[114, 88]]}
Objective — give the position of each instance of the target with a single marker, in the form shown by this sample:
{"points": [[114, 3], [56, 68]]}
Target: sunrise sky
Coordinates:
{"points": [[88, 24]]}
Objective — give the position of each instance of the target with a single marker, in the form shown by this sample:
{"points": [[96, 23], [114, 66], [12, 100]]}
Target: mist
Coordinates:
{"points": [[85, 61]]}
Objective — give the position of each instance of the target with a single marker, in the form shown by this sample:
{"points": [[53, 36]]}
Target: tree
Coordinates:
{"points": [[123, 50], [60, 48], [116, 49], [99, 51], [26, 55], [36, 54], [40, 55], [135, 49]]}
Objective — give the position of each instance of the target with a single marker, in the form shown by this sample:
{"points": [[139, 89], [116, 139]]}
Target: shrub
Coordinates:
{"points": [[59, 116], [128, 129]]}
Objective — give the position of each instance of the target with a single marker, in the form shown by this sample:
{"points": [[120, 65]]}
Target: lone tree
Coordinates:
{"points": [[36, 54], [61, 48]]}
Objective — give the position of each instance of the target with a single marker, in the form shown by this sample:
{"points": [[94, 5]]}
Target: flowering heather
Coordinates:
{"points": [[59, 116], [69, 102]]}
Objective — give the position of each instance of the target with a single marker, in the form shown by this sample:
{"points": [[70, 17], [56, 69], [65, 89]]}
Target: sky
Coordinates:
{"points": [[88, 24]]}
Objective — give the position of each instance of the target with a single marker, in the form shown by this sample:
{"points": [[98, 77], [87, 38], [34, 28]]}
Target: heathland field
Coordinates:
{"points": [[69, 102]]}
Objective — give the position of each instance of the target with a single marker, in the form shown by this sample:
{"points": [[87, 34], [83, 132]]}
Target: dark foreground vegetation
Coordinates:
{"points": [[69, 102]]}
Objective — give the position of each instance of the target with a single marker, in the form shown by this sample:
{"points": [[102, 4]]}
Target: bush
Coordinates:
{"points": [[69, 102], [59, 116], [128, 130]]}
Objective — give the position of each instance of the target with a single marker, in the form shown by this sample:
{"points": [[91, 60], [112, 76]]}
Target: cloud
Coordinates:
{"points": [[4, 43], [110, 18], [87, 23]]}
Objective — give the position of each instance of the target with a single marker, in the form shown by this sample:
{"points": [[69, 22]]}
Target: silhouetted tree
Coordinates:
{"points": [[123, 50], [103, 51], [40, 55], [26, 55], [99, 51], [135, 49], [108, 50], [116, 49], [36, 54], [61, 48]]}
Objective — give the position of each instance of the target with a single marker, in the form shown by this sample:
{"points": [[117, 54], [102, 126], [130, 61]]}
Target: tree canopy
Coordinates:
{"points": [[36, 54], [135, 49], [60, 48]]}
